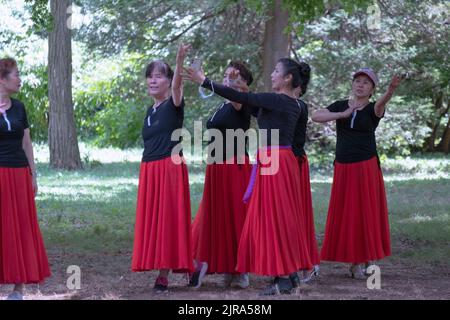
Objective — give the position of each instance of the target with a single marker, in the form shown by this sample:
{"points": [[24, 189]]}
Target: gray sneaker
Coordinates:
{"points": [[309, 275], [225, 280], [241, 281], [15, 295], [271, 290], [357, 272], [367, 265]]}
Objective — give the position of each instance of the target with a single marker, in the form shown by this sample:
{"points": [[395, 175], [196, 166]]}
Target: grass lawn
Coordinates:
{"points": [[93, 210]]}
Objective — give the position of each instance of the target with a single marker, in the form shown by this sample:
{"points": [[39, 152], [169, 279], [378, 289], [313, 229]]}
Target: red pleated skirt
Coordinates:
{"points": [[308, 212], [273, 239], [162, 238], [22, 252], [218, 224], [357, 228]]}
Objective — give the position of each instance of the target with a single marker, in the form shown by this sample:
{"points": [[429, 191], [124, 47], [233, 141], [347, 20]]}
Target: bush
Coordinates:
{"points": [[404, 127], [34, 94], [110, 108]]}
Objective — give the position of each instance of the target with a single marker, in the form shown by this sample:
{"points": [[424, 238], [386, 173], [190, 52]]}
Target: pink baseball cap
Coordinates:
{"points": [[368, 72]]}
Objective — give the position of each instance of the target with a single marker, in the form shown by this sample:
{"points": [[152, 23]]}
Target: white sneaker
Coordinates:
{"points": [[15, 295], [241, 281]]}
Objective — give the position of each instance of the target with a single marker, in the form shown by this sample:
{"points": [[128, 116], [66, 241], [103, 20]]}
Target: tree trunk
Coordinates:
{"points": [[62, 136], [429, 144], [276, 42], [430, 141], [444, 144]]}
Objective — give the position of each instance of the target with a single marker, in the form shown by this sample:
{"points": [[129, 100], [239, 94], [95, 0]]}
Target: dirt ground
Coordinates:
{"points": [[108, 277]]}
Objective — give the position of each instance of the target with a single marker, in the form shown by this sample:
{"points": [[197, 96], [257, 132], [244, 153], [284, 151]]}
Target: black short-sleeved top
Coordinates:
{"points": [[226, 117], [12, 125], [300, 131], [355, 134], [276, 111], [159, 124]]}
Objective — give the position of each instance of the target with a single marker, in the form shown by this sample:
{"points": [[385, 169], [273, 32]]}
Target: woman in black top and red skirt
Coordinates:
{"points": [[305, 185], [22, 253], [218, 223], [163, 215], [357, 229], [273, 239]]}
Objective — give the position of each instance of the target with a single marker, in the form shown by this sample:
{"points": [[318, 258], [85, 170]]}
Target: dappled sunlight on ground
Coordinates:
{"points": [[90, 153], [419, 218]]}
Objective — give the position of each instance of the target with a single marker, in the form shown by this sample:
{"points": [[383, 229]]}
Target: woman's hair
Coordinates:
{"points": [[305, 76], [6, 66], [160, 66], [244, 71], [301, 73]]}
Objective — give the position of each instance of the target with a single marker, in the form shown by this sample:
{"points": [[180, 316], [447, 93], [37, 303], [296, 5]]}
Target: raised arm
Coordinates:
{"points": [[177, 81], [242, 87], [261, 100], [325, 115], [381, 103]]}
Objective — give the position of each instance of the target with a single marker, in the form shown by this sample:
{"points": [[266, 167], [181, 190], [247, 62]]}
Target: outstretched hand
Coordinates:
{"points": [[396, 79], [182, 51], [197, 76], [236, 81]]}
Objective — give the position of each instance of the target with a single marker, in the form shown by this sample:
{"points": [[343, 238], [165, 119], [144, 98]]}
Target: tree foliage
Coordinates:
{"points": [[334, 37], [408, 39]]}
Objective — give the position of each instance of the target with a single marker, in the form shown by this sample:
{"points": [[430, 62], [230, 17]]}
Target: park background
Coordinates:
{"points": [[88, 145]]}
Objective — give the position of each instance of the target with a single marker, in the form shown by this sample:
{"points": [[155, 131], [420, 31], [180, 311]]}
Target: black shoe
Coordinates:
{"points": [[285, 285], [295, 279], [196, 279], [161, 285]]}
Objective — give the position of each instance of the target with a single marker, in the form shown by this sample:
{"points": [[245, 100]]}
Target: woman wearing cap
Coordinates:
{"points": [[22, 253], [162, 238], [273, 239], [357, 229], [218, 224]]}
